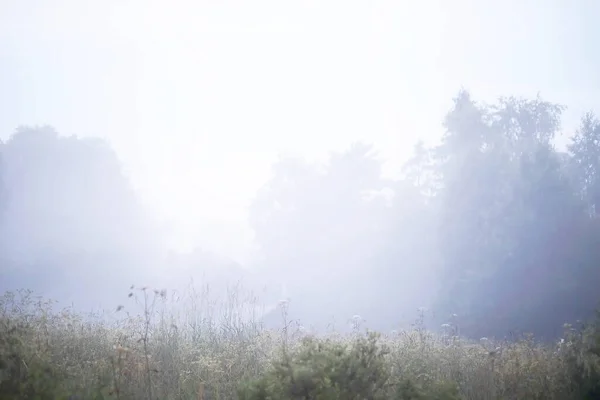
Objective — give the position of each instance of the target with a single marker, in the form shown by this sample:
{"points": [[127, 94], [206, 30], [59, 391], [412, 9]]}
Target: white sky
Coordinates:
{"points": [[199, 97]]}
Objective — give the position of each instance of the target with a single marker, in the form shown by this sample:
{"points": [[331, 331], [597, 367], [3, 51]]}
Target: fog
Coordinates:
{"points": [[333, 155]]}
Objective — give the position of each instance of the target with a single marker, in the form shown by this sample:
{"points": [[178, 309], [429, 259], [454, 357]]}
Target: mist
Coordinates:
{"points": [[355, 161]]}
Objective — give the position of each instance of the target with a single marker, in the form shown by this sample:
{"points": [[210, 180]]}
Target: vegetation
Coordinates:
{"points": [[157, 354], [494, 227], [495, 223]]}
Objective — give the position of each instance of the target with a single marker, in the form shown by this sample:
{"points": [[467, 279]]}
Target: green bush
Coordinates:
{"points": [[329, 370]]}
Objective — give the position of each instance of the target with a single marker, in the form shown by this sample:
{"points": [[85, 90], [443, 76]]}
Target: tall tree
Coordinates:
{"points": [[72, 217], [505, 204]]}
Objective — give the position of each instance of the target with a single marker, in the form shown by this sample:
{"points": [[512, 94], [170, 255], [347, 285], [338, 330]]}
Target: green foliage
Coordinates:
{"points": [[26, 371], [328, 370], [409, 390]]}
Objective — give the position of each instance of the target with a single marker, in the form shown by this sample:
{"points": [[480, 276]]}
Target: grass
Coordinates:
{"points": [[158, 349]]}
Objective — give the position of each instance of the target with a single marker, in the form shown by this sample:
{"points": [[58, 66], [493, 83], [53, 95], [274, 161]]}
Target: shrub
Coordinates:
{"points": [[328, 370]]}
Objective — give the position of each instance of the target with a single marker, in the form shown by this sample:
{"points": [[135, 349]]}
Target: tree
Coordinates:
{"points": [[585, 153], [71, 215], [505, 204], [324, 231]]}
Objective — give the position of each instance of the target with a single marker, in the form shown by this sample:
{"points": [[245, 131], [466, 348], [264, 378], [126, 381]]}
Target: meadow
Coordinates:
{"points": [[148, 349]]}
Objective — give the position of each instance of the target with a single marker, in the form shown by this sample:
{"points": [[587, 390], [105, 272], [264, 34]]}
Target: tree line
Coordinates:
{"points": [[493, 229]]}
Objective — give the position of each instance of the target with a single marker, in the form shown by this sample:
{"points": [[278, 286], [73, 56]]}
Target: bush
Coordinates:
{"points": [[328, 370]]}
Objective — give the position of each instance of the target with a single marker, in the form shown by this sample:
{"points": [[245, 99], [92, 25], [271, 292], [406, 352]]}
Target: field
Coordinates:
{"points": [[154, 352]]}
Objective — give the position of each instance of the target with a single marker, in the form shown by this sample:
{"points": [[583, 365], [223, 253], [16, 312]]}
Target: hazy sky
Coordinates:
{"points": [[199, 97]]}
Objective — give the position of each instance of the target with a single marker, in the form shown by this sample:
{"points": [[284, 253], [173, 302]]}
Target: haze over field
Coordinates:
{"points": [[273, 142]]}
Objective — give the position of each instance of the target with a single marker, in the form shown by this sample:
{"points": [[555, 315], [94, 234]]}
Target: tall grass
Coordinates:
{"points": [[157, 348]]}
